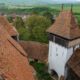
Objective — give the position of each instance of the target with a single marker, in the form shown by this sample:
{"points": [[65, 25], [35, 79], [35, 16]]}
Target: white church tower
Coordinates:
{"points": [[64, 39]]}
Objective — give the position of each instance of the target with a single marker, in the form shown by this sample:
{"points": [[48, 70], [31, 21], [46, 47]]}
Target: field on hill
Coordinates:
{"points": [[41, 8], [76, 7], [54, 9]]}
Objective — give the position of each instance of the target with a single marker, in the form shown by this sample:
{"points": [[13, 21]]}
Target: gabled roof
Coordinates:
{"points": [[74, 62], [13, 59], [35, 50], [11, 29], [65, 26]]}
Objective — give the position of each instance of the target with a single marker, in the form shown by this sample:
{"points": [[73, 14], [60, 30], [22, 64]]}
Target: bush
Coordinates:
{"points": [[40, 68]]}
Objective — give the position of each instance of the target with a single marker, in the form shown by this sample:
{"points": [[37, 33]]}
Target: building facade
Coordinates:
{"points": [[64, 39]]}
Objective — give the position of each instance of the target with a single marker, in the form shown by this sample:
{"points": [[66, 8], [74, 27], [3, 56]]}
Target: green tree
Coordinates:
{"points": [[48, 15], [19, 23], [37, 26], [20, 26], [40, 9], [10, 19]]}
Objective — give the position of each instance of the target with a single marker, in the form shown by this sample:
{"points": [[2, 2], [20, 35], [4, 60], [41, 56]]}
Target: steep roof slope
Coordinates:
{"points": [[11, 29], [65, 26], [13, 61], [74, 62], [35, 50]]}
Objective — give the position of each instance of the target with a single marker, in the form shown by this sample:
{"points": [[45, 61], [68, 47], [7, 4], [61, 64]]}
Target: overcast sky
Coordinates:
{"points": [[32, 1]]}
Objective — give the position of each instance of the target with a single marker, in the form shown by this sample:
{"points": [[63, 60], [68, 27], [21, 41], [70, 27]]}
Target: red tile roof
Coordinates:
{"points": [[65, 26], [74, 62], [11, 29], [35, 50], [13, 61]]}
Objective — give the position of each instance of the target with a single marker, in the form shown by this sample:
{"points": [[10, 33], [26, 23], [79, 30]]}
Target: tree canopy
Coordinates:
{"points": [[37, 26], [20, 26], [48, 15], [18, 23]]}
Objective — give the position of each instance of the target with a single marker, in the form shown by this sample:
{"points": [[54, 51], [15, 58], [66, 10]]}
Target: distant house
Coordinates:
{"points": [[23, 16], [64, 40]]}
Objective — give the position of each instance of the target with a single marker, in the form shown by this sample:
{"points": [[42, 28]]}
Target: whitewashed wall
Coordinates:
{"points": [[58, 56], [71, 51]]}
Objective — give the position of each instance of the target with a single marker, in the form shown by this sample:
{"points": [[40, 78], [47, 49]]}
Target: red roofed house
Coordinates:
{"points": [[14, 64], [11, 29], [64, 39]]}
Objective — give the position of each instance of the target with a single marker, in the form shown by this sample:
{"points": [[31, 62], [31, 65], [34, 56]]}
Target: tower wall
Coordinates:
{"points": [[58, 56]]}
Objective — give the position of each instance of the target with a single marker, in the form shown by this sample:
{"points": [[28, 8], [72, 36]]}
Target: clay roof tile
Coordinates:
{"points": [[65, 26], [35, 50], [13, 65], [11, 29], [74, 62]]}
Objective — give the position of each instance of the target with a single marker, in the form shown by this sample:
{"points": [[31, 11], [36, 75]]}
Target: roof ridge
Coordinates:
{"points": [[8, 26], [73, 24], [17, 47], [65, 26], [70, 16]]}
